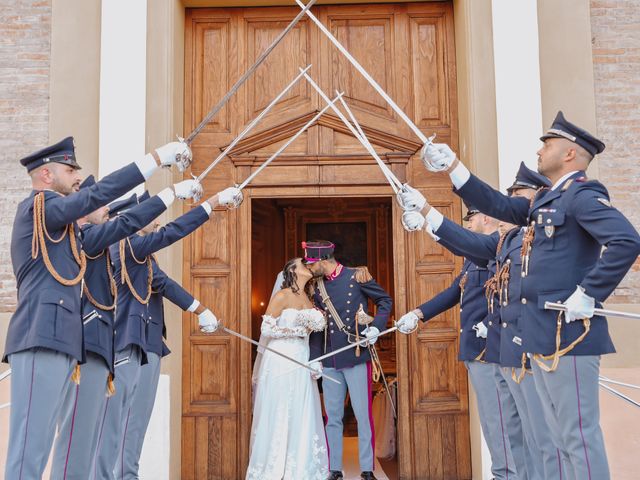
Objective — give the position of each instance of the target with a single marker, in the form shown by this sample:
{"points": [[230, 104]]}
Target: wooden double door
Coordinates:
{"points": [[324, 174]]}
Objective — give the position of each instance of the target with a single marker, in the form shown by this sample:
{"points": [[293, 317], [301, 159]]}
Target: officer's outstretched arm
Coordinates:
{"points": [[442, 302], [463, 242], [99, 237], [170, 233]]}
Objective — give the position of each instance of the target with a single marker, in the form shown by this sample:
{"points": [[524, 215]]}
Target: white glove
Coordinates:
{"points": [[371, 332], [187, 189], [175, 153], [579, 306], [412, 221], [411, 199], [481, 330], [230, 197], [207, 321], [437, 157], [317, 366], [407, 323]]}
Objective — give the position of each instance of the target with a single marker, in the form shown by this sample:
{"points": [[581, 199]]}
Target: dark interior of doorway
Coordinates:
{"points": [[361, 230]]}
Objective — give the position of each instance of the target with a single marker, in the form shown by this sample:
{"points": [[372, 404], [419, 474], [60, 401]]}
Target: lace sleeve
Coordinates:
{"points": [[271, 329]]}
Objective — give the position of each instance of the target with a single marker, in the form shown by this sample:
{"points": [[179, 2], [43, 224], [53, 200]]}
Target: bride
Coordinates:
{"points": [[287, 435]]}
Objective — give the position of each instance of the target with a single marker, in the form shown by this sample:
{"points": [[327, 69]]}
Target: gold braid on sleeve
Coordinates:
{"points": [[38, 243]]}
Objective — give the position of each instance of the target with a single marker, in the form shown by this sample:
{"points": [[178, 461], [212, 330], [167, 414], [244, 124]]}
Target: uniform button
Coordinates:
{"points": [[522, 274], [490, 323], [460, 310], [504, 325], [347, 319], [348, 301], [460, 330], [330, 323], [61, 302], [524, 301], [504, 304], [508, 260], [331, 331], [548, 220], [99, 316], [350, 286], [349, 293], [348, 311]]}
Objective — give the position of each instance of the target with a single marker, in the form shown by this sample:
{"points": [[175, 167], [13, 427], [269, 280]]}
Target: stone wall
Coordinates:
{"points": [[25, 52], [615, 30]]}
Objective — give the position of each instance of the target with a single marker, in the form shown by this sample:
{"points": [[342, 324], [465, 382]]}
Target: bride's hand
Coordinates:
{"points": [[317, 366]]}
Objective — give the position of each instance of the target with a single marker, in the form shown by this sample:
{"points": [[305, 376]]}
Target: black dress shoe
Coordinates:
{"points": [[335, 475], [367, 476]]}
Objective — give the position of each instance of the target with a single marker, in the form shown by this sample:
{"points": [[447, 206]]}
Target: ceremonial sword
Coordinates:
{"points": [[597, 311], [619, 394], [364, 341], [423, 138], [247, 74], [268, 349]]}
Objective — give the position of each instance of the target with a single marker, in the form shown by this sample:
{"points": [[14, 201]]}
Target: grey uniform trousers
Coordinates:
{"points": [[542, 456], [79, 422], [39, 380], [115, 416], [571, 404], [492, 421], [357, 380], [128, 462]]}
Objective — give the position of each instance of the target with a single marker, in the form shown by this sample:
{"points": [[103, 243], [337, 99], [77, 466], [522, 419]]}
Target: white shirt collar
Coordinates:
{"points": [[563, 178]]}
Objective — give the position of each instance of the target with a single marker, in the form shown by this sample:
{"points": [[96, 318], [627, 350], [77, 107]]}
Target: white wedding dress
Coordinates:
{"points": [[287, 434]]}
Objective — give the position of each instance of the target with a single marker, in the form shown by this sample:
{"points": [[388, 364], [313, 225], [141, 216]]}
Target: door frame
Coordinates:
{"points": [[398, 256]]}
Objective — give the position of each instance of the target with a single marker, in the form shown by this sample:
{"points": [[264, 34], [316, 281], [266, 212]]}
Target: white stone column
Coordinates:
{"points": [[517, 79], [123, 80]]}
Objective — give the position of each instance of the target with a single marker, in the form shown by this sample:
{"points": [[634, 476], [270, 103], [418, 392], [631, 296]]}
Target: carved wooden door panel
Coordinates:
{"points": [[409, 50]]}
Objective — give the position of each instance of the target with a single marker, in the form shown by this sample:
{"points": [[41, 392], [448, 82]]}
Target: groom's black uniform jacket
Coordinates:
{"points": [[347, 295]]}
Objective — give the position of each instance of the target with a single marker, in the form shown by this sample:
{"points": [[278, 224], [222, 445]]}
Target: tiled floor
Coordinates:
{"points": [[350, 463]]}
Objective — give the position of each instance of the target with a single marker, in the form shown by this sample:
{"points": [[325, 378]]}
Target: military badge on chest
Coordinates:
{"points": [[544, 219]]}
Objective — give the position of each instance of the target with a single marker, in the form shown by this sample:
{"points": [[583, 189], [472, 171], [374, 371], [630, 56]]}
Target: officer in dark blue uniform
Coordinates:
{"points": [[134, 323], [79, 422], [499, 421], [142, 405], [541, 454], [345, 302], [44, 341], [563, 260]]}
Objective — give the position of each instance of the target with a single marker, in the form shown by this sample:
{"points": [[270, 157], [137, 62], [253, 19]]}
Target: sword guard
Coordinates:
{"points": [[184, 156]]}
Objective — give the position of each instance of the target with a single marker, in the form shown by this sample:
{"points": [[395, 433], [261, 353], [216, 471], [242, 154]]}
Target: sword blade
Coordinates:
{"points": [[618, 394], [598, 311], [289, 142], [5, 374], [364, 341], [293, 360], [248, 73], [614, 382], [252, 124], [423, 138]]}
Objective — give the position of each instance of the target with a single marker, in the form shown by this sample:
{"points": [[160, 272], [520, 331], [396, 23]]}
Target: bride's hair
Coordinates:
{"points": [[291, 279]]}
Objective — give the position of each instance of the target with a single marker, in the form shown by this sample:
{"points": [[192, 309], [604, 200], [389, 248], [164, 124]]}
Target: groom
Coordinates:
{"points": [[341, 299]]}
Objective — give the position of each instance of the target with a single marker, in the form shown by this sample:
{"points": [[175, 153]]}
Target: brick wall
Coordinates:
{"points": [[25, 39], [615, 30]]}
